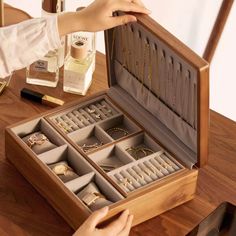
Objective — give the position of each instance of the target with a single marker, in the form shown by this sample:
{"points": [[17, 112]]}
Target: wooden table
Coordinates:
{"points": [[24, 212]]}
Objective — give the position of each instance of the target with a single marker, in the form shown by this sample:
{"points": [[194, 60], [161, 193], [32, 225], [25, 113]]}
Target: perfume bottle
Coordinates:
{"points": [[45, 71], [4, 82], [78, 68], [88, 37]]}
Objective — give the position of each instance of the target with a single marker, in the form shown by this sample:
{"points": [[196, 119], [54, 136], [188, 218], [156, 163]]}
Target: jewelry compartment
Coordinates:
{"points": [[38, 136], [86, 114], [84, 176], [148, 170], [119, 126], [139, 146], [110, 158], [90, 138]]}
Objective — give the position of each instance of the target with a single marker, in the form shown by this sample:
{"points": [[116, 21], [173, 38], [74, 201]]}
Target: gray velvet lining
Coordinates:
{"points": [[144, 97], [153, 125], [113, 155], [85, 171], [141, 63], [173, 79], [37, 125]]}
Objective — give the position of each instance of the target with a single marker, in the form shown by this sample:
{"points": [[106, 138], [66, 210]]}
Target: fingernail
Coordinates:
{"points": [[149, 11], [105, 209], [134, 20], [126, 211]]}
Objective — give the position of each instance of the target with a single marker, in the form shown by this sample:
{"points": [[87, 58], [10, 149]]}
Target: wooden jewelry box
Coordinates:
{"points": [[136, 145]]}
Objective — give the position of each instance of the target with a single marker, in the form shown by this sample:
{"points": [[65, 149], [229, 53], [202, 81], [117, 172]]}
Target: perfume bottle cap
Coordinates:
{"points": [[79, 49], [53, 6]]}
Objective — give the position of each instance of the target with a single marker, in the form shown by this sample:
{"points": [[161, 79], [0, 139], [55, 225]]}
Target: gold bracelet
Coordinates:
{"points": [[107, 168], [134, 151], [111, 131], [90, 147]]}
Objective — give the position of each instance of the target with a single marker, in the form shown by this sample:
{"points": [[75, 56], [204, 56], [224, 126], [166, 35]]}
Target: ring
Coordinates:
{"points": [[165, 165], [91, 110], [123, 181], [153, 170], [98, 116], [146, 170], [141, 176]]}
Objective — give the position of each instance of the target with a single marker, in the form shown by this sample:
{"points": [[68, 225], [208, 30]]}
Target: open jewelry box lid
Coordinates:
{"points": [[163, 84]]}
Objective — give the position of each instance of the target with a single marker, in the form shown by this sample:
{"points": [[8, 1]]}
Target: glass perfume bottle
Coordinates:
{"points": [[45, 71], [88, 37], [78, 68], [4, 82]]}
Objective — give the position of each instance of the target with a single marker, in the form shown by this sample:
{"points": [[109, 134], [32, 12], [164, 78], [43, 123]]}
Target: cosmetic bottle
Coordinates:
{"points": [[45, 71], [78, 68], [4, 82], [88, 37]]}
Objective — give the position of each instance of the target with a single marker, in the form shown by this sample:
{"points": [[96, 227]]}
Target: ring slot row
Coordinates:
{"points": [[84, 116], [143, 172]]}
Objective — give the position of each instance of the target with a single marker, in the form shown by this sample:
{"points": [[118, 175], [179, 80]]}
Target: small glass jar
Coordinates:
{"points": [[45, 71]]}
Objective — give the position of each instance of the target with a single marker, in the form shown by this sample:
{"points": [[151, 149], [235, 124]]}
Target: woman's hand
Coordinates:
{"points": [[99, 16], [119, 227]]}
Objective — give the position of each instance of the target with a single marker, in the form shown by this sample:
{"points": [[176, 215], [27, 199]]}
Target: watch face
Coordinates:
{"points": [[40, 137]]}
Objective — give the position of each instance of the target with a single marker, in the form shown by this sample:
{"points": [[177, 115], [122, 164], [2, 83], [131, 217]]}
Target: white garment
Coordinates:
{"points": [[26, 42]]}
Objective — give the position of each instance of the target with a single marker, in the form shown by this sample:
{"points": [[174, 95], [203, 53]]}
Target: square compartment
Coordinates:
{"points": [[27, 130], [139, 146], [119, 127], [111, 158], [90, 138]]}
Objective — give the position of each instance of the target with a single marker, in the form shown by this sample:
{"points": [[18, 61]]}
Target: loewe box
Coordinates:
{"points": [[136, 145]]}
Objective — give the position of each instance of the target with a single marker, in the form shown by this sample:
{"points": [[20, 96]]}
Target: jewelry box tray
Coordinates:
{"points": [[159, 193], [150, 173]]}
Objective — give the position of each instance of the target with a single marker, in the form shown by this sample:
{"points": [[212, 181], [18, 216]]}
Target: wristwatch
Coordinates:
{"points": [[36, 138], [62, 169], [91, 198]]}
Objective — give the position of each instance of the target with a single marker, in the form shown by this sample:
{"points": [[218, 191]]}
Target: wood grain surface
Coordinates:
{"points": [[24, 212]]}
